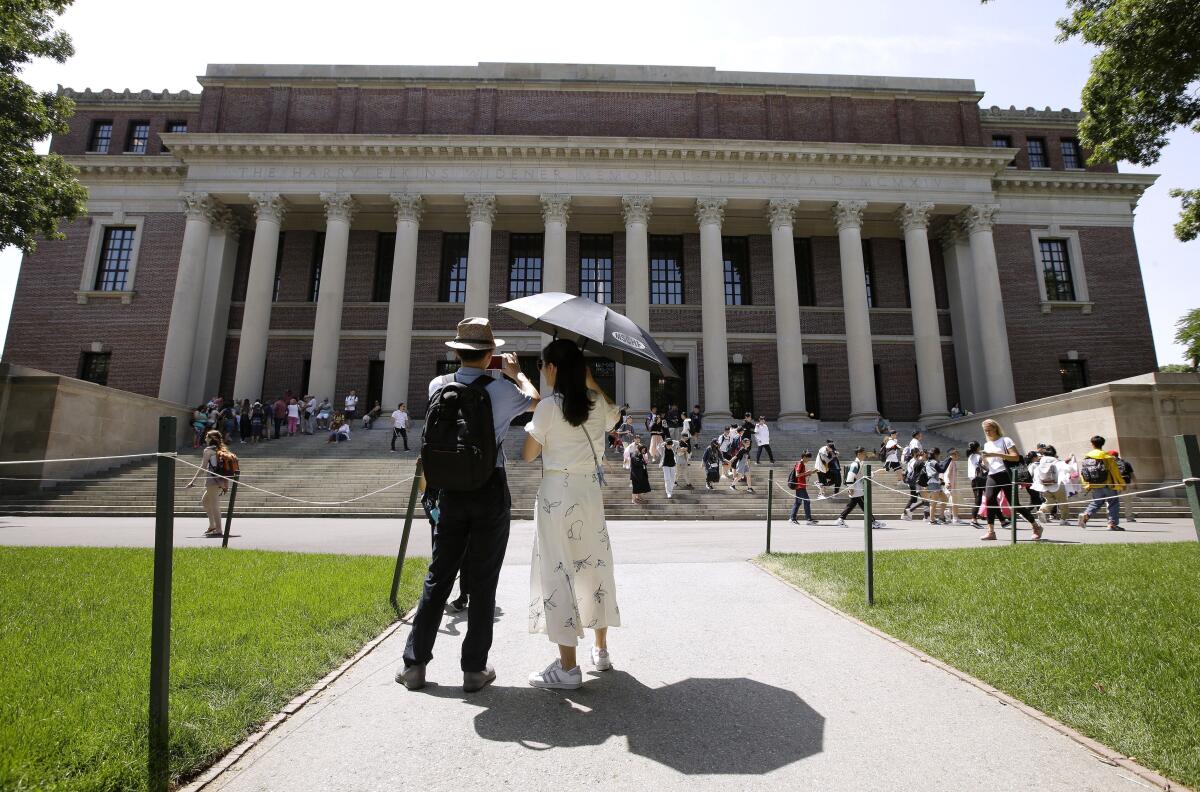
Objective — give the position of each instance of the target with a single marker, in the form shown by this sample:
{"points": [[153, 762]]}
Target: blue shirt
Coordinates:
{"points": [[507, 401]]}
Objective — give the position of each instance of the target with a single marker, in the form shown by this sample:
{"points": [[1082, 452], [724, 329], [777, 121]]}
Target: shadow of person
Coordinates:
{"points": [[450, 625], [696, 726]]}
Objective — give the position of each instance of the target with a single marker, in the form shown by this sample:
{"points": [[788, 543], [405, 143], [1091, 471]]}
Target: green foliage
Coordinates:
{"points": [[1187, 334], [35, 191], [250, 631], [1101, 637], [1188, 227], [1175, 368]]}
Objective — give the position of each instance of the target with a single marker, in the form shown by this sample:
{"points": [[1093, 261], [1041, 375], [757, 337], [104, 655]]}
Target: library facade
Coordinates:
{"points": [[802, 246]]}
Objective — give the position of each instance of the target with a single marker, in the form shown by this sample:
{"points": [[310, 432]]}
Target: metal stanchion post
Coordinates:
{"points": [[229, 515], [1012, 507], [770, 502], [160, 620], [1189, 465], [868, 538], [408, 518]]}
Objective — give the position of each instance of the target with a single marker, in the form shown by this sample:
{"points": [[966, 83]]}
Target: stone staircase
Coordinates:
{"points": [[309, 469]]}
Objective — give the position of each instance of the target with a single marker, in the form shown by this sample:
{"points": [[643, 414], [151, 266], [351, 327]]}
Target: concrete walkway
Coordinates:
{"points": [[638, 541], [726, 679]]}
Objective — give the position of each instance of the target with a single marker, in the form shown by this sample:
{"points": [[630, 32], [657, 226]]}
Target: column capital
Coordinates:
{"points": [[338, 206], [556, 208], [269, 206], [710, 211], [978, 217], [781, 212], [224, 221], [949, 231], [914, 214], [481, 207], [636, 208], [848, 214], [408, 206], [199, 206]]}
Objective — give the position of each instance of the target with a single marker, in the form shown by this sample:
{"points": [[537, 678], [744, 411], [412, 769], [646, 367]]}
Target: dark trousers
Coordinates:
{"points": [[279, 426], [399, 433], [802, 498], [474, 524], [977, 488], [856, 501], [1002, 482], [914, 500], [766, 448]]}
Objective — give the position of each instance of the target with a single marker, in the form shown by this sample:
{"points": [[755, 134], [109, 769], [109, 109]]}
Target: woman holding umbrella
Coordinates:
{"points": [[571, 576]]}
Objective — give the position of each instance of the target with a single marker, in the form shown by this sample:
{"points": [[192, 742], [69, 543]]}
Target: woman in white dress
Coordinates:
{"points": [[571, 576]]}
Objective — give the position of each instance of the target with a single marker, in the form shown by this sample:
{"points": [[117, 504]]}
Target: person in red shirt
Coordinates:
{"points": [[801, 473], [280, 416]]}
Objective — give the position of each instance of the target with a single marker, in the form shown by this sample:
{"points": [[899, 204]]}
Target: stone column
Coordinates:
{"points": [[636, 211], [185, 307], [209, 350], [710, 213], [556, 211], [931, 376], [327, 328], [260, 288], [481, 209], [397, 353], [968, 346], [989, 306], [860, 361], [792, 410]]}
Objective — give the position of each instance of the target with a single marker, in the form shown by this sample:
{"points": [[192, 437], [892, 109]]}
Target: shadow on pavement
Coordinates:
{"points": [[697, 726]]}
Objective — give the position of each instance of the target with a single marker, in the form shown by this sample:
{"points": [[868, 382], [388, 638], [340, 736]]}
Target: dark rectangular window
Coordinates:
{"points": [[869, 272], [605, 374], [524, 265], [1072, 156], [1037, 152], [314, 269], [736, 250], [139, 136], [1074, 374], [445, 367], [453, 285], [806, 284], [596, 267], [177, 126], [1056, 270], [385, 253], [666, 269], [812, 391], [278, 267], [93, 367], [741, 389], [1001, 141], [115, 254], [101, 137], [665, 392], [904, 274]]}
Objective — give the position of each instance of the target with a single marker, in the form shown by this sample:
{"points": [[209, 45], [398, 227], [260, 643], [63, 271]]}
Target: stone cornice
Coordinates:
{"points": [[1029, 117], [124, 100], [1130, 185], [101, 165], [191, 146]]}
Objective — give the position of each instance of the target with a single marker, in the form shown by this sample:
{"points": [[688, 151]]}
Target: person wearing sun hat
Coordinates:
{"points": [[478, 518]]}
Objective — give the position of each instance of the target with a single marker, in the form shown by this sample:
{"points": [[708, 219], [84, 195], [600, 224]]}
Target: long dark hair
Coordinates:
{"points": [[570, 379]]}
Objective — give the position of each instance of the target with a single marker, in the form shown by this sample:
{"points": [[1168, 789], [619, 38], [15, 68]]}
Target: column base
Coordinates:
{"points": [[863, 422], [799, 422], [935, 417]]}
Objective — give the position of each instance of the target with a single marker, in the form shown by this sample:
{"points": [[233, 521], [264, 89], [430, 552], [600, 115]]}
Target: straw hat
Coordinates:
{"points": [[475, 334]]}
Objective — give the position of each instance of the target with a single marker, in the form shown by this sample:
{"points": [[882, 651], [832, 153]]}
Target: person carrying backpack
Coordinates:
{"points": [[1126, 469], [469, 414], [1050, 475], [855, 475], [1101, 481], [218, 464], [798, 483]]}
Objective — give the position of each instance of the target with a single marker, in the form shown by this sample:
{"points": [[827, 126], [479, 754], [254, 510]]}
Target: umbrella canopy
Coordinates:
{"points": [[596, 327]]}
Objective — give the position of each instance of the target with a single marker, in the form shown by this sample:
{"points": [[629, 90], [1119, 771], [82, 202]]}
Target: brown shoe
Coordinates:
{"points": [[474, 681]]}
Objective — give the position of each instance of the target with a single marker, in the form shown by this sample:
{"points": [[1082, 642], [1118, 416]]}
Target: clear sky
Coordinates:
{"points": [[1006, 46]]}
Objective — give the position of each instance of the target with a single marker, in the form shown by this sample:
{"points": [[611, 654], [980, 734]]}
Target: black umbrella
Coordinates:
{"points": [[596, 327]]}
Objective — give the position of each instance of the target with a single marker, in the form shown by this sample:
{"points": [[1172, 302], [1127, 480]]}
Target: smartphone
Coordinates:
{"points": [[497, 363]]}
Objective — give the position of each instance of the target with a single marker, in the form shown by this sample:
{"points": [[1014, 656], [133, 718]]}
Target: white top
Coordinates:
{"points": [[1049, 467], [891, 450], [399, 419], [762, 434], [973, 463], [293, 411], [1003, 445], [351, 402], [914, 444], [310, 406], [344, 429], [566, 447], [854, 479]]}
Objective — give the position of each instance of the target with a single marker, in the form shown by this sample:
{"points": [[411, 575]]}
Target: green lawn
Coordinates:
{"points": [[251, 631], [1103, 638]]}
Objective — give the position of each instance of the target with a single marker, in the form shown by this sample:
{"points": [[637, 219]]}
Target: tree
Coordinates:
{"points": [[1143, 82], [36, 191], [1187, 333]]}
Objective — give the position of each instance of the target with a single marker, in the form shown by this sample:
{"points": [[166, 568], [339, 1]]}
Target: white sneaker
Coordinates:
{"points": [[906, 515], [877, 525], [840, 522], [600, 659], [555, 678], [813, 522]]}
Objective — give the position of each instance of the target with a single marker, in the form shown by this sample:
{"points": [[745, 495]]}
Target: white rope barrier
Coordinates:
{"points": [[83, 459], [291, 498]]}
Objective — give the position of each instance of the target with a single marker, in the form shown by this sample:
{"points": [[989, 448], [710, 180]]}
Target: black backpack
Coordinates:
{"points": [[1125, 469], [1093, 471], [793, 479], [458, 444]]}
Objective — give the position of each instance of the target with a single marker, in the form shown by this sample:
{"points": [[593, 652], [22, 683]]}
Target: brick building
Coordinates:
{"points": [[801, 245]]}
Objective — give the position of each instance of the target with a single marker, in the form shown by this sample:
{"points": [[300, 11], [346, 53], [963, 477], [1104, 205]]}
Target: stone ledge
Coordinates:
{"points": [[1084, 307], [84, 297]]}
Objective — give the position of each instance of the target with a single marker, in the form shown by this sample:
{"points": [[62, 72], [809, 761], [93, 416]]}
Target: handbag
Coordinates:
{"points": [[599, 469]]}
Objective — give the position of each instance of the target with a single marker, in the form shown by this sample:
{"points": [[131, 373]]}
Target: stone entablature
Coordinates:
{"points": [[128, 99], [1029, 117]]}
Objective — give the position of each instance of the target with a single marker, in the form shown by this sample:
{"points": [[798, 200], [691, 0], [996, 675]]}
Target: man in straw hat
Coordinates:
{"points": [[470, 524]]}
